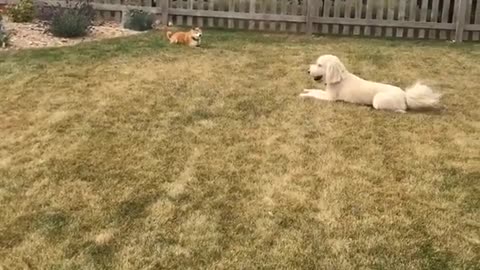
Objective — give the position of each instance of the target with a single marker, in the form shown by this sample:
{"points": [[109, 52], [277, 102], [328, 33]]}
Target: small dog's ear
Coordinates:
{"points": [[335, 72]]}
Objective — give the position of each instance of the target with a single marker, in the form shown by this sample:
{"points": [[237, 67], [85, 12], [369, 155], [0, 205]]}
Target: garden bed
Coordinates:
{"points": [[36, 35]]}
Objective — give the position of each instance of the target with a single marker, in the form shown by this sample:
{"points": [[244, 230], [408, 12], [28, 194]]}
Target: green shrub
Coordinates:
{"points": [[74, 21], [139, 20], [24, 11]]}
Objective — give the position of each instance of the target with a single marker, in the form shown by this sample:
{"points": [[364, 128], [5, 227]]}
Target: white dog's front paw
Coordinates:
{"points": [[306, 92], [310, 93], [315, 93]]}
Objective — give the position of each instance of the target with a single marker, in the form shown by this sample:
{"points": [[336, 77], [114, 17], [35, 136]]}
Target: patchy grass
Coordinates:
{"points": [[131, 154]]}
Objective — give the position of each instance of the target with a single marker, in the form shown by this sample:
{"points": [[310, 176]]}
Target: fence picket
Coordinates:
{"points": [[401, 16], [369, 13], [476, 35], [273, 10], [283, 11], [318, 13], [251, 10], [336, 14], [347, 14], [452, 33], [231, 8], [294, 11], [468, 19], [390, 13], [189, 7], [358, 16], [164, 7], [179, 19], [443, 18], [459, 20], [263, 8], [379, 16], [211, 6], [412, 17], [241, 8], [221, 7], [326, 14], [432, 34], [117, 16], [302, 27], [423, 17], [201, 5]]}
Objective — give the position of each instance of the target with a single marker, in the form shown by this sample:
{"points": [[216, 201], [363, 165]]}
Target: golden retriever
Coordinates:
{"points": [[344, 86]]}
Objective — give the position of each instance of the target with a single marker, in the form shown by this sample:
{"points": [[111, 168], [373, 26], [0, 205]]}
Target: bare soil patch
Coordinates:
{"points": [[36, 35]]}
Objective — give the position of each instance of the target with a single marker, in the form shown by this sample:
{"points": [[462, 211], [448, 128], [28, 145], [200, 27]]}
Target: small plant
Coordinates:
{"points": [[24, 11], [139, 20], [73, 21], [4, 37]]}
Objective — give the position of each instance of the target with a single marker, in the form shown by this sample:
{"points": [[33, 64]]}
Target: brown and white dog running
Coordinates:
{"points": [[192, 38]]}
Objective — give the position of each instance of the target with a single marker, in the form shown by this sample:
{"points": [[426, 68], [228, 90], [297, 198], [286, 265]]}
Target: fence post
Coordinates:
{"points": [[460, 20], [125, 14], [164, 4], [308, 17], [252, 5]]}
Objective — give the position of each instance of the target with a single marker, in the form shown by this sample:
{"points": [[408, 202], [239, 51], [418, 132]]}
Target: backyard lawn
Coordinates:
{"points": [[132, 154]]}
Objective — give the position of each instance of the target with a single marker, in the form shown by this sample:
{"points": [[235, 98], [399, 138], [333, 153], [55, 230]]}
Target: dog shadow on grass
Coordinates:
{"points": [[441, 110]]}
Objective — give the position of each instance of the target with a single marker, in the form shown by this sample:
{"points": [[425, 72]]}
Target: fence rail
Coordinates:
{"points": [[420, 19]]}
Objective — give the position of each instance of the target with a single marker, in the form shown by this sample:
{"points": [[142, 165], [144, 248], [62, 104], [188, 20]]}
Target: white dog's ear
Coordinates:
{"points": [[335, 72]]}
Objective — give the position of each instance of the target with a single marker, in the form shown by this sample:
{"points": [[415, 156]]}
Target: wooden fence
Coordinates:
{"points": [[457, 20]]}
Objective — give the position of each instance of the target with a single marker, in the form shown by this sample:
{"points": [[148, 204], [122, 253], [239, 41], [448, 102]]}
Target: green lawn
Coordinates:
{"points": [[132, 154]]}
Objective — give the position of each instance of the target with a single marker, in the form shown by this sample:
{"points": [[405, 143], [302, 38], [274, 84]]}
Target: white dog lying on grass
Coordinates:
{"points": [[345, 86]]}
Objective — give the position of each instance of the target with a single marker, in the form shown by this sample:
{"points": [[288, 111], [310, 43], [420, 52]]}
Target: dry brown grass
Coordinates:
{"points": [[132, 155]]}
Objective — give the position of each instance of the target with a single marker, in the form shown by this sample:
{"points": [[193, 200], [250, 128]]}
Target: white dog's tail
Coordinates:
{"points": [[420, 96]]}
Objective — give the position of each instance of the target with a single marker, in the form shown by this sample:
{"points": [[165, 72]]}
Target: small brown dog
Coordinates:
{"points": [[192, 38]]}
